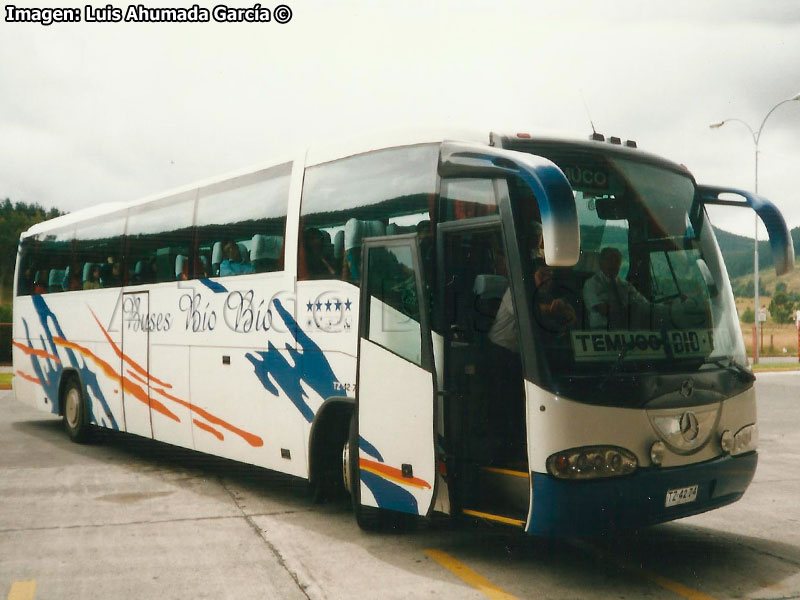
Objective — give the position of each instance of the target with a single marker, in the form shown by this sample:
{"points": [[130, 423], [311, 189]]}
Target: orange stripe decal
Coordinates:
{"points": [[139, 369], [251, 439], [127, 385], [137, 378], [391, 473], [209, 429], [35, 352], [29, 377]]}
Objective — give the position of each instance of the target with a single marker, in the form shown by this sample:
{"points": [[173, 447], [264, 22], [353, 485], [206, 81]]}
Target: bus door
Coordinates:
{"points": [[396, 380], [485, 404], [135, 364]]}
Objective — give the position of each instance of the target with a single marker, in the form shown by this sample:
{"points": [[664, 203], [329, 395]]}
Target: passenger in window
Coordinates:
{"points": [[93, 283], [233, 263], [553, 312], [110, 274], [611, 301], [317, 265], [39, 282], [74, 282]]}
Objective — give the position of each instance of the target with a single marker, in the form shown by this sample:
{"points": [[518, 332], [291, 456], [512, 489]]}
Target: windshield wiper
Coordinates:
{"points": [[617, 365], [734, 367]]}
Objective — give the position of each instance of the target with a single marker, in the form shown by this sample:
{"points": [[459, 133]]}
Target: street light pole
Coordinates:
{"points": [[756, 139]]}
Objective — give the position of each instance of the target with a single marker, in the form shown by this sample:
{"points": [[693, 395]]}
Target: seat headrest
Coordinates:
{"points": [[87, 271], [338, 244], [180, 265], [265, 247], [216, 253], [356, 230]]}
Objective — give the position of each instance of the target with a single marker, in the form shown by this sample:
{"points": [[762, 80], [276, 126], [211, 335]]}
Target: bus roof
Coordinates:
{"points": [[325, 152]]}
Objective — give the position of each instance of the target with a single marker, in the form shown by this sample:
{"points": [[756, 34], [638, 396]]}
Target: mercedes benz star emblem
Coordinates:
{"points": [[689, 427]]}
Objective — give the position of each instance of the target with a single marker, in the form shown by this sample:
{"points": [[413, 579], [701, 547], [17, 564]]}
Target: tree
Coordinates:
{"points": [[781, 308], [748, 316], [14, 219]]}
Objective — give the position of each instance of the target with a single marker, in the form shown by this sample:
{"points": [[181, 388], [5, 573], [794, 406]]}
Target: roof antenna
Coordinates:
{"points": [[599, 137]]}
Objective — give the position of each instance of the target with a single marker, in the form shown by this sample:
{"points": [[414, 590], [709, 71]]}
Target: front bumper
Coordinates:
{"points": [[576, 508]]}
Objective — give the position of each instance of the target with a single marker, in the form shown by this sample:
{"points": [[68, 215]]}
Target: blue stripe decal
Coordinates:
{"points": [[389, 495], [51, 375], [215, 287]]}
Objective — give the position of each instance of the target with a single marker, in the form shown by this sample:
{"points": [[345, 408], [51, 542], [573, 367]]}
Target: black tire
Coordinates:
{"points": [[368, 517], [76, 418]]}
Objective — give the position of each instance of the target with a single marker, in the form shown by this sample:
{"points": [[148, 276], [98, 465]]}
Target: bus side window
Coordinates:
{"points": [[97, 244], [241, 224], [386, 192], [157, 234], [53, 257]]}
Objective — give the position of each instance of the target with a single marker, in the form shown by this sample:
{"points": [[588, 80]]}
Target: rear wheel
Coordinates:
{"points": [[76, 420]]}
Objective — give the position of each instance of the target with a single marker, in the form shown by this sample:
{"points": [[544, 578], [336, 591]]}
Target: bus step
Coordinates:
{"points": [[503, 491], [496, 518]]}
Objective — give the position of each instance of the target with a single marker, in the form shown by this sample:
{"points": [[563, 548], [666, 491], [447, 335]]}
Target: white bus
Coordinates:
{"points": [[532, 331]]}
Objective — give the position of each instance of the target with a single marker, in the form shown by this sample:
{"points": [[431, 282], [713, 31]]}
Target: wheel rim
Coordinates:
{"points": [[72, 408], [346, 466]]}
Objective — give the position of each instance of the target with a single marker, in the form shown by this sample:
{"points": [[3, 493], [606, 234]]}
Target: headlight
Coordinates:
{"points": [[745, 440], [592, 462]]}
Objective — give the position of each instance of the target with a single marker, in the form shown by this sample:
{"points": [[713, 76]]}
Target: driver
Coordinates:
{"points": [[610, 300]]}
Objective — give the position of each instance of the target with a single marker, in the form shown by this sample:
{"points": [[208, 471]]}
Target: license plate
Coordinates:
{"points": [[681, 496]]}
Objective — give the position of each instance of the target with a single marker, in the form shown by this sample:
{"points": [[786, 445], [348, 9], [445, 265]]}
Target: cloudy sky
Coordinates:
{"points": [[110, 112]]}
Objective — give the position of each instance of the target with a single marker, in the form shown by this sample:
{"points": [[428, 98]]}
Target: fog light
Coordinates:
{"points": [[726, 441], [657, 451], [592, 462]]}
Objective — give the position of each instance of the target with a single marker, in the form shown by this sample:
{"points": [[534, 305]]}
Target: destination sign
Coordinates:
{"points": [[641, 345]]}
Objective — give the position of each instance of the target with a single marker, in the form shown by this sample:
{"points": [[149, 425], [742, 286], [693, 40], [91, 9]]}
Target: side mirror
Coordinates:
{"points": [[560, 230], [780, 240]]}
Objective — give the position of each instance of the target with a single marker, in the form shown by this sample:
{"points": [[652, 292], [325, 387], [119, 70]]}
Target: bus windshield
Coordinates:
{"points": [[649, 294]]}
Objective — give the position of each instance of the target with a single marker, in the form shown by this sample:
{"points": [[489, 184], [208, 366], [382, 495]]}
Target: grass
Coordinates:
{"points": [[5, 381], [783, 366]]}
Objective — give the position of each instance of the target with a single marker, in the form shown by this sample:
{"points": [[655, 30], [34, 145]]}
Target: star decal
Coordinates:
{"points": [[328, 305], [338, 305], [319, 305], [347, 304], [310, 306]]}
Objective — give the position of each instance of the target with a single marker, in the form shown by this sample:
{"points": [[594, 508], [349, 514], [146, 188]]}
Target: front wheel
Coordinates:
{"points": [[76, 420]]}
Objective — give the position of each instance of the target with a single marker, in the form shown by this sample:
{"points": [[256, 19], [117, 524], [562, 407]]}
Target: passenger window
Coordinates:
{"points": [[98, 255], [388, 192], [241, 224], [159, 240], [394, 306], [45, 261]]}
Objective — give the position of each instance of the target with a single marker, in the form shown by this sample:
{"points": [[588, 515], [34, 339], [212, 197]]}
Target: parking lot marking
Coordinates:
{"points": [[476, 580], [662, 582], [22, 590]]}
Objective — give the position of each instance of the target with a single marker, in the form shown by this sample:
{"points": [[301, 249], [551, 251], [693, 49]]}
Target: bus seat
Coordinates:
{"points": [[216, 258], [138, 271], [55, 279], [181, 266], [355, 230], [265, 250], [205, 265], [87, 271], [65, 281], [244, 251], [338, 245], [391, 229]]}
